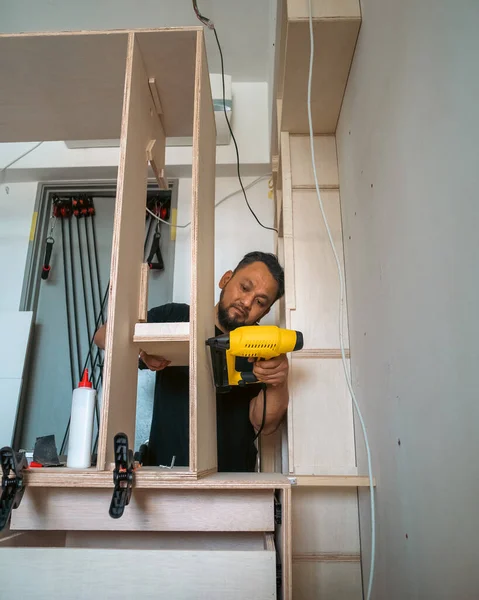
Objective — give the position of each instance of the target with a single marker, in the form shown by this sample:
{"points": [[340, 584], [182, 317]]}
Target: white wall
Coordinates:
{"points": [[236, 231], [408, 152]]}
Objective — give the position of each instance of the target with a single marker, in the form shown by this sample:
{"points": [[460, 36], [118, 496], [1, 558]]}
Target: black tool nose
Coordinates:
{"points": [[299, 341]]}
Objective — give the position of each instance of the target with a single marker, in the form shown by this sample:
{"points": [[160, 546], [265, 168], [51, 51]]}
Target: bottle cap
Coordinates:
{"points": [[85, 382]]}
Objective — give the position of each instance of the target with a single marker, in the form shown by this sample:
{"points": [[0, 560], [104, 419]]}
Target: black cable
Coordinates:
{"points": [[95, 250], [263, 420], [208, 23], [90, 269], [67, 303], [91, 342], [85, 302], [74, 299]]}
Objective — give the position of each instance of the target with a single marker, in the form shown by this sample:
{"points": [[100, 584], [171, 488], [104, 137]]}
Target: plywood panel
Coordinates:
{"points": [[322, 418], [203, 457], [325, 158], [334, 41], [15, 329], [155, 574], [317, 311], [287, 196], [61, 87], [170, 340], [324, 521], [47, 83], [166, 540], [9, 400], [140, 125], [327, 580], [165, 510], [324, 9]]}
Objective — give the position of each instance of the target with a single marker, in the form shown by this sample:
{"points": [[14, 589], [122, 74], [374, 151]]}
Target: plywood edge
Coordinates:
{"points": [[335, 481], [287, 196], [324, 9], [162, 332], [151, 478], [326, 557], [106, 32], [322, 353], [143, 304]]}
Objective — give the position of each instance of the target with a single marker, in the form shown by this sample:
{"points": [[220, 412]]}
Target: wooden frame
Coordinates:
{"points": [[140, 99]]}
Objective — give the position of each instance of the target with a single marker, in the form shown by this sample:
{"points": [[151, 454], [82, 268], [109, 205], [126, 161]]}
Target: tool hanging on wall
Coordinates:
{"points": [[160, 205]]}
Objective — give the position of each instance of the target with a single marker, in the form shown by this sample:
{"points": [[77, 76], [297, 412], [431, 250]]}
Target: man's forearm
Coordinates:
{"points": [[100, 337], [277, 398]]}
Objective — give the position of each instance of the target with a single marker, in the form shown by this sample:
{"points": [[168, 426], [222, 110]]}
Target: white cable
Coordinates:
{"points": [[246, 187], [341, 306], [2, 171]]}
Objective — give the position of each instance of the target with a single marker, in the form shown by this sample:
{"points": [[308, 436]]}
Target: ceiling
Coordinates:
{"points": [[245, 28]]}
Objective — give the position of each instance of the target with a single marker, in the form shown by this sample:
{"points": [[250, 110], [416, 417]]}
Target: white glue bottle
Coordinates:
{"points": [[81, 425]]}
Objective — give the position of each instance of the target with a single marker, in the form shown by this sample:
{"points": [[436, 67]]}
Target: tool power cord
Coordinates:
{"points": [[341, 307]]}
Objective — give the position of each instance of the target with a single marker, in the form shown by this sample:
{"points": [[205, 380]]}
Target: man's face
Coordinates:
{"points": [[246, 297]]}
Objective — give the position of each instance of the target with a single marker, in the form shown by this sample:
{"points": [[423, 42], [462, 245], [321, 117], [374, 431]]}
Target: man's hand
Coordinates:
{"points": [[154, 363], [273, 371]]}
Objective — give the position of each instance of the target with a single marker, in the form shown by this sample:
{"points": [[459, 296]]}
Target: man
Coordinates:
{"points": [[247, 294]]}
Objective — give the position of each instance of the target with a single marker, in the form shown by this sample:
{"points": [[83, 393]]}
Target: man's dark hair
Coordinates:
{"points": [[271, 261]]}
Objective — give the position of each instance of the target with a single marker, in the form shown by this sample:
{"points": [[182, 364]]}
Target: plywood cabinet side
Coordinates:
{"points": [[203, 447], [140, 124]]}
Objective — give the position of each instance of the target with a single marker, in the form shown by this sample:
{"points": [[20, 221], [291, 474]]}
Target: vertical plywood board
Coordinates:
{"points": [[317, 311], [324, 521], [325, 160], [322, 418], [327, 581], [283, 543], [324, 9], [203, 457], [140, 125], [289, 271]]}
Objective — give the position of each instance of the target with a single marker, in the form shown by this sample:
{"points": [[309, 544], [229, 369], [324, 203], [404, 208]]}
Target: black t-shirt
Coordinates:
{"points": [[169, 435]]}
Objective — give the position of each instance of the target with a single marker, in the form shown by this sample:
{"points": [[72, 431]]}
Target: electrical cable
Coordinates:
{"points": [[95, 251], [18, 158], [263, 420], [85, 302], [251, 184], [67, 302], [74, 300], [341, 308], [209, 23]]}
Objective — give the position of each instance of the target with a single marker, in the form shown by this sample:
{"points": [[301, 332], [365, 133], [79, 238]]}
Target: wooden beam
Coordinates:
{"points": [[143, 303], [156, 156], [203, 453], [140, 125]]}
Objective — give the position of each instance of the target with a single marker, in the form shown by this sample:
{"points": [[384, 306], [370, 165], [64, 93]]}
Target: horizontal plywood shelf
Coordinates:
{"points": [[330, 480], [169, 340], [335, 29], [34, 64], [154, 477]]}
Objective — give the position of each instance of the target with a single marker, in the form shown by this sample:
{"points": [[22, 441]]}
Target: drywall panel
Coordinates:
{"points": [[315, 269], [407, 145], [321, 416]]}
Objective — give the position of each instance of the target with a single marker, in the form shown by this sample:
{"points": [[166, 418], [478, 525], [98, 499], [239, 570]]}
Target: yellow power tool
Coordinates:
{"points": [[230, 352]]}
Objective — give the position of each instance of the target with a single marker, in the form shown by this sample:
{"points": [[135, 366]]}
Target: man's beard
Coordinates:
{"points": [[226, 322]]}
